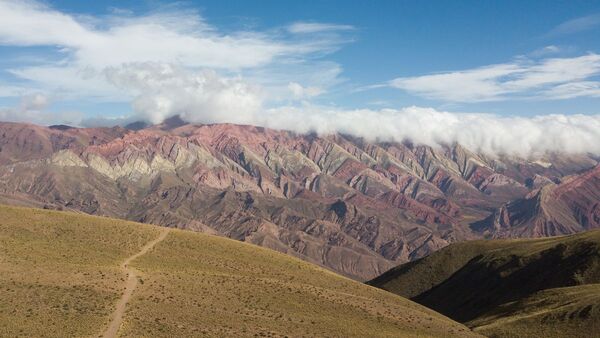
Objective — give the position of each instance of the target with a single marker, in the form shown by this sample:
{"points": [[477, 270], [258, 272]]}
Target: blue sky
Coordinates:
{"points": [[68, 61]]}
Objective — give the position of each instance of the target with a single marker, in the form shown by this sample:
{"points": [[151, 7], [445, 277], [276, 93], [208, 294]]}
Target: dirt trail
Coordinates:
{"points": [[130, 284]]}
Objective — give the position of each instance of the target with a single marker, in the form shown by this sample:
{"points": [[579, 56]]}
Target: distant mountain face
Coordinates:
{"points": [[353, 206], [553, 209]]}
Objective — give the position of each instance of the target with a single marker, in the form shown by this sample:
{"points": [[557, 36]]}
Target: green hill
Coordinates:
{"points": [[64, 274], [510, 288]]}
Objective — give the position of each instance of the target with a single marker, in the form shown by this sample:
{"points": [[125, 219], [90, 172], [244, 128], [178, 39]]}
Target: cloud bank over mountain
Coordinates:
{"points": [[488, 133], [206, 97], [172, 62]]}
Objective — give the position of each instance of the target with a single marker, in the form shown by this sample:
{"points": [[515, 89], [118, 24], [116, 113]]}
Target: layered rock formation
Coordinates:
{"points": [[354, 206], [552, 209]]}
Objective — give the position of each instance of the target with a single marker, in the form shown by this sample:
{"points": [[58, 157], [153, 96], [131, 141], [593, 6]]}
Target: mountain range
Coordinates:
{"points": [[358, 207]]}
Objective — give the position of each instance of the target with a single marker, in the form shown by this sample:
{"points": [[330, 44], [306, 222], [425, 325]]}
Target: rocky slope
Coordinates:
{"points": [[351, 205]]}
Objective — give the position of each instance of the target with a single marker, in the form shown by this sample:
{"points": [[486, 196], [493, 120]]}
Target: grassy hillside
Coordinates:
{"points": [[509, 287], [559, 312], [61, 275]]}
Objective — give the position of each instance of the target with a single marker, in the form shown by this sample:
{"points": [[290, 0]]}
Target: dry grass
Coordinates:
{"points": [[59, 272], [560, 312], [59, 277], [203, 285]]}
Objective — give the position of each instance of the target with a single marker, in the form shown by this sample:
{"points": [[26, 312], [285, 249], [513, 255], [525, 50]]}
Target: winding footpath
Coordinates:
{"points": [[130, 285]]}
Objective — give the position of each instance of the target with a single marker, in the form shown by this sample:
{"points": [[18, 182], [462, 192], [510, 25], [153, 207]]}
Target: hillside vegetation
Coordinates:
{"points": [[506, 288], [61, 276]]}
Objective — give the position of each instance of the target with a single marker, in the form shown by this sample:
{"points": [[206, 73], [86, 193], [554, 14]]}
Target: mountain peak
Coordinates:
{"points": [[137, 125], [172, 122]]}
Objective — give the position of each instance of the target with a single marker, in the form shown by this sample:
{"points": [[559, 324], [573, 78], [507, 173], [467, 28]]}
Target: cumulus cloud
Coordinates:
{"points": [[164, 90], [487, 133], [525, 137], [34, 102], [522, 78], [209, 98]]}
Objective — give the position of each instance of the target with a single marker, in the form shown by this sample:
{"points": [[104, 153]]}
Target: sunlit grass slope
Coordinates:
{"points": [[59, 272], [60, 276]]}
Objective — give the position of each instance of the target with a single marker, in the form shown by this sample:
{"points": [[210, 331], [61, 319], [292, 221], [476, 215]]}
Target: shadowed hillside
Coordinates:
{"points": [[509, 287], [62, 274]]}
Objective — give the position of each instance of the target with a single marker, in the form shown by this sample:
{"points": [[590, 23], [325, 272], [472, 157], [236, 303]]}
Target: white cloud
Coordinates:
{"points": [[12, 91], [546, 50], [211, 99], [164, 90], [32, 109], [575, 89], [173, 62], [478, 84], [316, 27], [576, 25], [34, 102], [491, 134], [70, 82], [551, 49], [168, 37], [27, 23], [319, 76], [519, 79], [301, 92], [173, 35], [554, 71]]}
